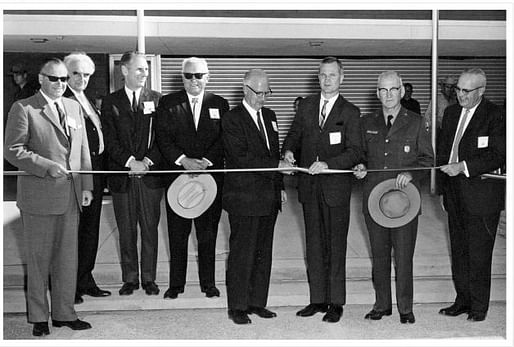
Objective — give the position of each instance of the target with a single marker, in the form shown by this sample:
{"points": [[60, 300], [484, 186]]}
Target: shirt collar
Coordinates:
{"points": [[199, 97], [51, 101], [129, 92], [250, 109]]}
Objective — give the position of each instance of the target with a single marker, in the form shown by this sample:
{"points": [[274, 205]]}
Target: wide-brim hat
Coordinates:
{"points": [[189, 196], [391, 207]]}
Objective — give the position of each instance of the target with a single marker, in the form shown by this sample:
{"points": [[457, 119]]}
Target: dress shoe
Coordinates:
{"points": [[376, 315], [333, 314], [96, 292], [261, 312], [476, 316], [455, 310], [407, 318], [40, 329], [150, 288], [239, 316], [128, 288], [78, 299], [76, 324], [312, 309], [211, 292], [173, 292]]}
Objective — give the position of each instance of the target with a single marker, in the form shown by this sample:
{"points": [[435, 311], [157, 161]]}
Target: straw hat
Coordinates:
{"points": [[190, 196], [391, 207]]}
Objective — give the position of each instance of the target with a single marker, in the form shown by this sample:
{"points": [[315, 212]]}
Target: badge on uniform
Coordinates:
{"points": [[148, 107], [335, 138], [214, 113], [406, 148], [275, 127], [71, 122], [374, 132], [483, 142]]}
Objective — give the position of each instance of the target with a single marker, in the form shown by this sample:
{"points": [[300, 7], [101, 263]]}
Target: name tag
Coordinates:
{"points": [[483, 141], [148, 107], [214, 113], [275, 127], [335, 138], [406, 149], [374, 132], [71, 122]]}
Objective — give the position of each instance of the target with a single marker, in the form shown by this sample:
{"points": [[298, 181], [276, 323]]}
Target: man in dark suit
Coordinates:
{"points": [[80, 68], [252, 199], [128, 125], [408, 101], [472, 142], [188, 133], [393, 137], [45, 137], [326, 130]]}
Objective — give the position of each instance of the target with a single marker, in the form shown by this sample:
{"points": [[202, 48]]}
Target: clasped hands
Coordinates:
{"points": [[194, 164], [402, 179]]}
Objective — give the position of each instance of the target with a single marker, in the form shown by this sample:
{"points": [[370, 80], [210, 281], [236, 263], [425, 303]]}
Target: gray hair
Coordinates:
{"points": [[195, 60], [477, 72], [389, 73], [81, 57]]}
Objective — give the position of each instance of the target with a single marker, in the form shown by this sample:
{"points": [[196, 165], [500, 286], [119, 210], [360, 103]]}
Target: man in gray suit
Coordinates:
{"points": [[45, 137]]}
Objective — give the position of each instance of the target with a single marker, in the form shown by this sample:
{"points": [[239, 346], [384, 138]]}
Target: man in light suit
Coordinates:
{"points": [[80, 68], [188, 132], [472, 142], [252, 199], [326, 130], [45, 137], [128, 117]]}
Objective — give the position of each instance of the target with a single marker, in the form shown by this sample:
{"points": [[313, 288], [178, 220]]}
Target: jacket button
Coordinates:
{"points": [[386, 154], [387, 140]]}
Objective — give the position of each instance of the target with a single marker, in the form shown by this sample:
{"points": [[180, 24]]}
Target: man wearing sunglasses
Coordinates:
{"points": [[45, 136], [472, 143], [188, 132]]}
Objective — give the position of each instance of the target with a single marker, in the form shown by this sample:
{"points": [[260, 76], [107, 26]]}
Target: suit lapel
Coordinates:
{"points": [[48, 113], [334, 112]]}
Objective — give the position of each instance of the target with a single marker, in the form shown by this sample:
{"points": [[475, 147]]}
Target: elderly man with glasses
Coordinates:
{"points": [[45, 136]]}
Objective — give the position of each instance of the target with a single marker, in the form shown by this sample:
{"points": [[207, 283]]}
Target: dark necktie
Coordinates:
{"points": [[62, 118], [458, 136], [323, 114], [134, 102], [389, 122], [261, 127]]}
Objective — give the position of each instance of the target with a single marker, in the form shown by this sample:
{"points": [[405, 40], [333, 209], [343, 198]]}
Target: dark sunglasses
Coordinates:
{"points": [[198, 75], [55, 78]]}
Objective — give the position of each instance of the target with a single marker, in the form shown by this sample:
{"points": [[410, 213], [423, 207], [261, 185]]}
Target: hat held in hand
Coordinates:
{"points": [[189, 196], [391, 207]]}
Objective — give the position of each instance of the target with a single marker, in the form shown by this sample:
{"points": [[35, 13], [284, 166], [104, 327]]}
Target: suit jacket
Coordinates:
{"points": [[97, 160], [130, 134], [406, 144], [176, 133], [250, 193], [34, 142], [338, 144], [483, 148]]}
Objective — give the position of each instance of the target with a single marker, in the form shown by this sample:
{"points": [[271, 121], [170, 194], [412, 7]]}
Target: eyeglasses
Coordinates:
{"points": [[55, 78], [391, 90], [81, 74], [268, 93], [466, 91], [198, 75]]}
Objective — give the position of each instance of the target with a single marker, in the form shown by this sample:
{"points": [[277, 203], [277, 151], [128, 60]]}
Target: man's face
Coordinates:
{"points": [[408, 92], [447, 89], [194, 85], [19, 77], [469, 90], [256, 92], [390, 91], [79, 73], [330, 78], [135, 72], [53, 89]]}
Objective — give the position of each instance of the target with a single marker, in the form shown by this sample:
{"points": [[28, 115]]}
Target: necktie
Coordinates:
{"points": [[195, 118], [261, 127], [389, 122], [460, 131], [323, 114], [62, 118], [134, 102]]}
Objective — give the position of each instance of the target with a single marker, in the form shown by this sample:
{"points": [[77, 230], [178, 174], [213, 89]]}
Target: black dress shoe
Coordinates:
{"points": [[40, 329], [150, 288], [333, 314], [173, 292], [239, 316], [312, 309], [128, 288], [376, 315], [476, 316], [407, 318], [261, 312], [96, 292], [211, 292], [78, 299], [76, 324], [455, 310]]}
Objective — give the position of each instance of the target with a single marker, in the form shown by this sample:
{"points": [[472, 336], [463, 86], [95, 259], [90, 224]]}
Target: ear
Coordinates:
{"points": [[206, 78], [124, 70], [341, 78], [378, 94], [40, 79], [402, 91]]}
